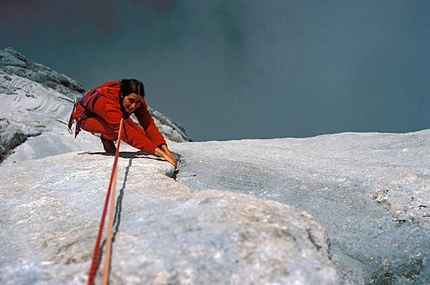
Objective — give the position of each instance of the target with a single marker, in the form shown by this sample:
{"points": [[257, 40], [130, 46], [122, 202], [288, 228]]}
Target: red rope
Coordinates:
{"points": [[112, 184]]}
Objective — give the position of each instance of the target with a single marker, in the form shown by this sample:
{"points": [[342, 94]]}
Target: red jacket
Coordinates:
{"points": [[106, 112]]}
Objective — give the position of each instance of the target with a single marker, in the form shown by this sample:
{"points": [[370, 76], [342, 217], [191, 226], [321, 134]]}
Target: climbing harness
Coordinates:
{"points": [[111, 192]]}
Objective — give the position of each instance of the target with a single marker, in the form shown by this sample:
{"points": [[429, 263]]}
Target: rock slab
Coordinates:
{"points": [[165, 233]]}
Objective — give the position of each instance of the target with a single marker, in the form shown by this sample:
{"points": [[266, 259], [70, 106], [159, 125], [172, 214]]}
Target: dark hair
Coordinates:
{"points": [[129, 86]]}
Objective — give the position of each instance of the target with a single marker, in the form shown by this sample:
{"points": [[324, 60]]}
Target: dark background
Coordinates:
{"points": [[247, 68]]}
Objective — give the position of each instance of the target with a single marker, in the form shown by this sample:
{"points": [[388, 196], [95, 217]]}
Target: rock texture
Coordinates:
{"points": [[165, 233], [370, 191], [12, 62]]}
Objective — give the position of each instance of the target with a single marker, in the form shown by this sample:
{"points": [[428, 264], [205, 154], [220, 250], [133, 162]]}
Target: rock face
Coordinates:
{"points": [[370, 191], [36, 100], [12, 62], [165, 233]]}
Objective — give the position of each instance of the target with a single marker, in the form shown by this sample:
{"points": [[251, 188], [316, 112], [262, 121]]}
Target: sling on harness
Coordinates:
{"points": [[71, 119], [87, 102]]}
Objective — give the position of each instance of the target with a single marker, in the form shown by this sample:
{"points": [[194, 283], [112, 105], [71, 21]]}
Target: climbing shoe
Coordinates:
{"points": [[108, 145]]}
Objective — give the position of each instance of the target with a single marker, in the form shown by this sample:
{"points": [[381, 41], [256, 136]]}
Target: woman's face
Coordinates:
{"points": [[131, 102]]}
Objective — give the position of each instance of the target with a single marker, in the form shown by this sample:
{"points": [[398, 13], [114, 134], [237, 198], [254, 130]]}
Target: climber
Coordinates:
{"points": [[100, 112]]}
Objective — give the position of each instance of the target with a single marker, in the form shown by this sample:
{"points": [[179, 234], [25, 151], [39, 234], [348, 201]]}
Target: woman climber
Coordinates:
{"points": [[101, 109]]}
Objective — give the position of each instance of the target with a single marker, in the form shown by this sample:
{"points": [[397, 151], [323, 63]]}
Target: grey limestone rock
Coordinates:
{"points": [[370, 192], [165, 233], [13, 62]]}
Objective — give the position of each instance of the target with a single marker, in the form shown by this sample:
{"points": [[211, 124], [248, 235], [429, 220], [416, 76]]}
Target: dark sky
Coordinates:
{"points": [[246, 68]]}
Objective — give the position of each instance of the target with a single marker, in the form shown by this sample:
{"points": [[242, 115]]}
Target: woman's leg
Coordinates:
{"points": [[99, 126]]}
